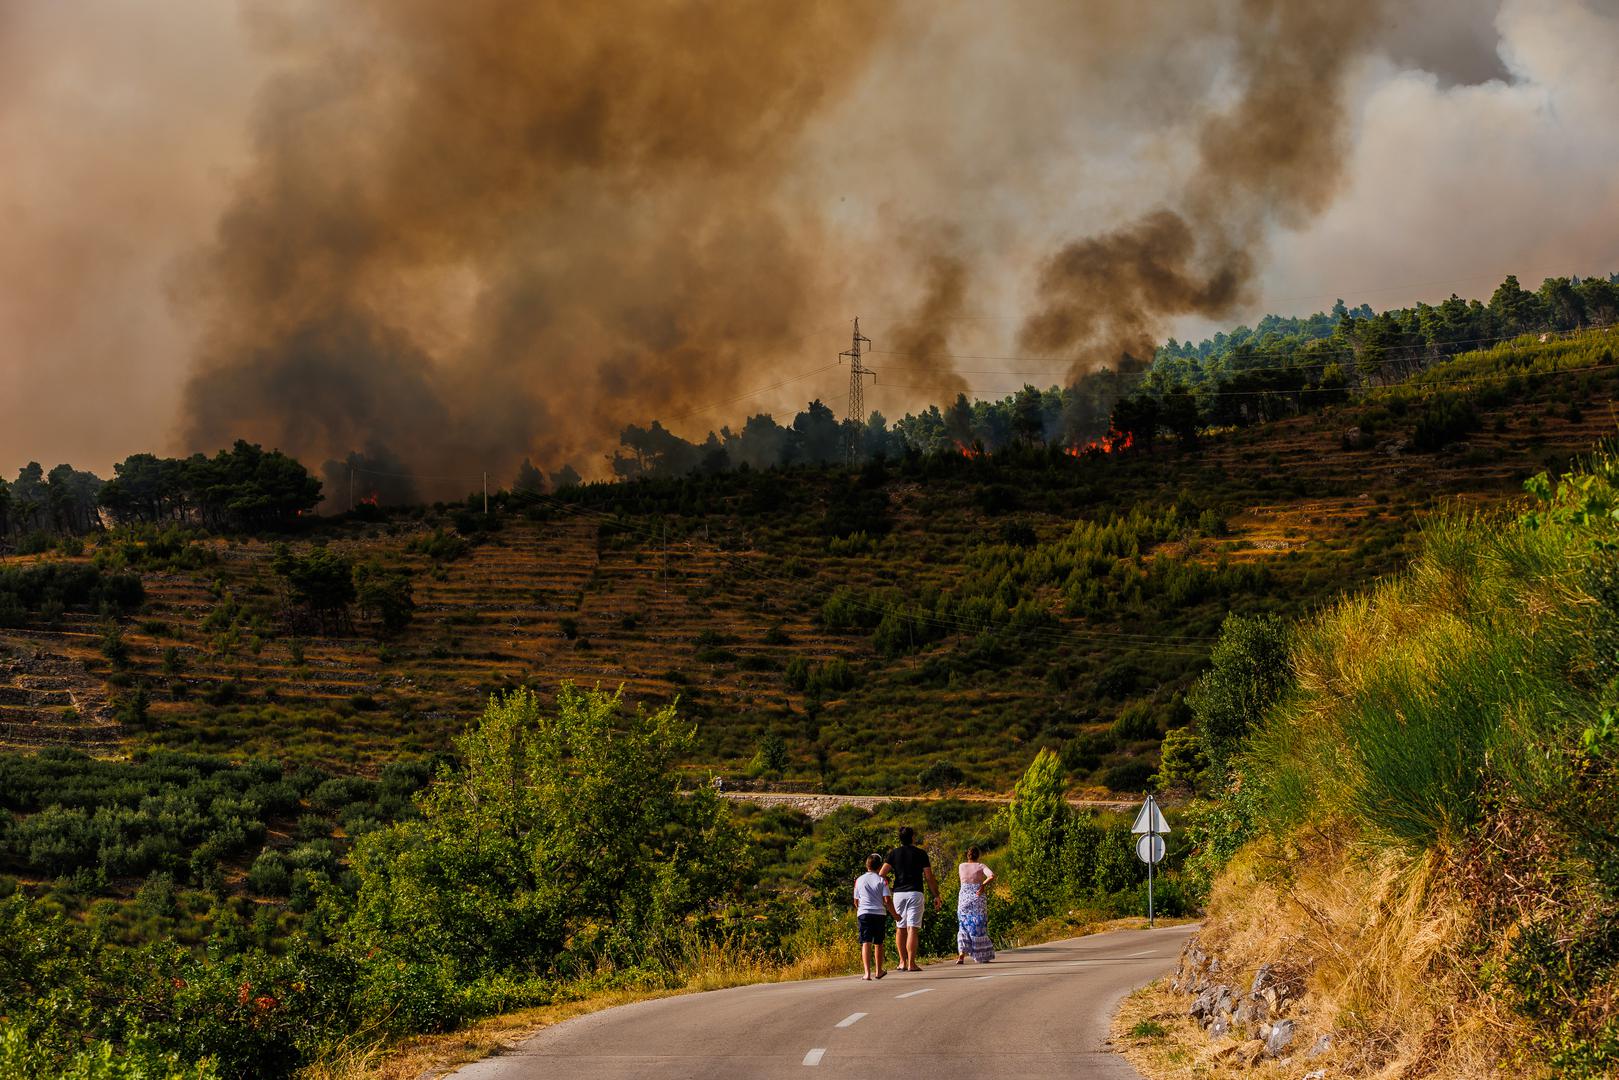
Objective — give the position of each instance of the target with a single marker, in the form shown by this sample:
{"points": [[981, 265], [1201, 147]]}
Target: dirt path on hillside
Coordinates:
{"points": [[817, 806]]}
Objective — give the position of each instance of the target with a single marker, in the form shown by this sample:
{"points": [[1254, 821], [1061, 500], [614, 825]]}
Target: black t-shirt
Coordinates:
{"points": [[908, 863]]}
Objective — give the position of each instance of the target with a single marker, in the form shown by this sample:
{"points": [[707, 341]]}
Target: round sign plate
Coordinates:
{"points": [[1150, 849]]}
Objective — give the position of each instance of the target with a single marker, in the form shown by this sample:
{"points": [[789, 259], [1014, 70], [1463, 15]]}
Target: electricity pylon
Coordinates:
{"points": [[854, 416]]}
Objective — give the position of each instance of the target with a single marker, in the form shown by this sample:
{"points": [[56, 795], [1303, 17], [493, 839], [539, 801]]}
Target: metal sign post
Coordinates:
{"points": [[1150, 826]]}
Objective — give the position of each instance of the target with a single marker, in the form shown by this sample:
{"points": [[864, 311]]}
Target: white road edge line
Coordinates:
{"points": [[849, 1021], [913, 993], [1139, 955], [814, 1056], [981, 978]]}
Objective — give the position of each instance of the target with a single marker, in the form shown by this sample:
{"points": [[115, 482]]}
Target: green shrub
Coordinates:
{"points": [[455, 893], [1249, 672], [1127, 776], [771, 757], [1137, 722], [269, 875], [1182, 764], [941, 776]]}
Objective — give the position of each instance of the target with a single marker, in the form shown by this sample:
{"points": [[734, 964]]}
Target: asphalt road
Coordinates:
{"points": [[1039, 1012]]}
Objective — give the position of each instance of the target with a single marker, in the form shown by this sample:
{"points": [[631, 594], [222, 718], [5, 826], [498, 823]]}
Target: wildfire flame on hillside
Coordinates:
{"points": [[1111, 443]]}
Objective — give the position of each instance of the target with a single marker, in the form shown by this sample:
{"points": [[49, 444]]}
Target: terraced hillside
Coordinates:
{"points": [[942, 611], [52, 699]]}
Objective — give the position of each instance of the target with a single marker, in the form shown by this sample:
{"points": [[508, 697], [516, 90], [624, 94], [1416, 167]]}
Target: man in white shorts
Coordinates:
{"points": [[911, 870]]}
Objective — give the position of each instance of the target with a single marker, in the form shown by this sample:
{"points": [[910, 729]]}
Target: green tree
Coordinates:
{"points": [[28, 499], [247, 487], [1562, 302], [1248, 674], [844, 844], [321, 582], [1028, 416], [144, 487], [385, 594], [819, 435], [1037, 819], [562, 828], [1138, 418], [771, 758], [1178, 413], [1182, 761], [1516, 311], [113, 646]]}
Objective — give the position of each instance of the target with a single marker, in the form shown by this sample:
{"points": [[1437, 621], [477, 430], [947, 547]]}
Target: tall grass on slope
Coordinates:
{"points": [[1411, 701], [1441, 786]]}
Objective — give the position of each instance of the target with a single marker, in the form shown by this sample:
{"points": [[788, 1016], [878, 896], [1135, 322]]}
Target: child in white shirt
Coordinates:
{"points": [[873, 904]]}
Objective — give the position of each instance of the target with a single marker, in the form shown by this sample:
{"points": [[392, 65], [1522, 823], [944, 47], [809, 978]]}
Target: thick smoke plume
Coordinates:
{"points": [[486, 230], [464, 233], [920, 344], [478, 232], [1274, 157], [481, 230]]}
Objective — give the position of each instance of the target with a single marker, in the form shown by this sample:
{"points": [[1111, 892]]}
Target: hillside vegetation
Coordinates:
{"points": [[246, 756], [932, 610], [1429, 808]]}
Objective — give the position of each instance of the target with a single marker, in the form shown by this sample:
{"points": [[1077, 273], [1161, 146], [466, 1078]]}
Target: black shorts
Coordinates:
{"points": [[872, 928]]}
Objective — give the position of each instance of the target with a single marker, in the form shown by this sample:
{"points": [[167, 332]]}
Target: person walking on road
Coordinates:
{"points": [[911, 870], [972, 911], [873, 903]]}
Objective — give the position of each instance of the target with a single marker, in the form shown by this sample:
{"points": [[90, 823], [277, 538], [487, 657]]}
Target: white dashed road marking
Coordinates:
{"points": [[814, 1056], [849, 1021], [913, 993]]}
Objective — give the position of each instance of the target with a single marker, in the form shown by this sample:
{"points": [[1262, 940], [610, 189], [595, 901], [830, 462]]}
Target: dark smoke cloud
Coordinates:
{"points": [[918, 351], [493, 228], [1274, 157], [472, 232]]}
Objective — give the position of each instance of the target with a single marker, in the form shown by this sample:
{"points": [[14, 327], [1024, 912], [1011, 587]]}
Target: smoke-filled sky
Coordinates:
{"points": [[467, 233]]}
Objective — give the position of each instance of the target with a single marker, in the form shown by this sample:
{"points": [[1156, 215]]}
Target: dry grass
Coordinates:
{"points": [[1376, 937]]}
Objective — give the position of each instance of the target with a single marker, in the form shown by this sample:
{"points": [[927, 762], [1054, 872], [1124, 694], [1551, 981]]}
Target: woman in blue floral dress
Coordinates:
{"points": [[972, 911]]}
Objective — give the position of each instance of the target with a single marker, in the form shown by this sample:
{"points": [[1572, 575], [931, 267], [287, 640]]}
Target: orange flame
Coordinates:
{"points": [[1111, 443]]}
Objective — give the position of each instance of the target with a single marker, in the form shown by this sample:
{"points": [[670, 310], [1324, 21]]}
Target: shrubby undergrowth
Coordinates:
{"points": [[1449, 737]]}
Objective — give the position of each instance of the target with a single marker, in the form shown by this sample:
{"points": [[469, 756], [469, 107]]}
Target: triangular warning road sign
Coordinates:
{"points": [[1150, 819]]}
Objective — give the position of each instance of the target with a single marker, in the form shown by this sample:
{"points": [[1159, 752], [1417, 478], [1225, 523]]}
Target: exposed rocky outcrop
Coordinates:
{"points": [[1261, 1014]]}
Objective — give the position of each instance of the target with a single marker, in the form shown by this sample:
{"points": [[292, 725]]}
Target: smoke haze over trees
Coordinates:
{"points": [[1281, 367], [456, 236], [245, 487]]}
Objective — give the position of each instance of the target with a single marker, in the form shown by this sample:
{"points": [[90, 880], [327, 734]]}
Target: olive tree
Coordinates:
{"points": [[560, 831]]}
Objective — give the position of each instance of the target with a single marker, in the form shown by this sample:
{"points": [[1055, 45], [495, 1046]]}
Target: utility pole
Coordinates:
{"points": [[351, 487], [486, 493], [856, 410]]}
